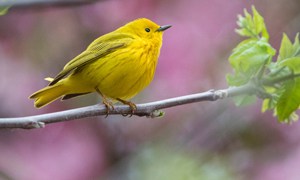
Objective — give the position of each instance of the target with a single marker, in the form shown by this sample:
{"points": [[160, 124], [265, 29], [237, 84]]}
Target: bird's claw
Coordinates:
{"points": [[109, 105], [132, 106]]}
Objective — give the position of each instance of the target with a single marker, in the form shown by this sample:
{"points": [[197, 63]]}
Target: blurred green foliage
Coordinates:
{"points": [[3, 9], [162, 163]]}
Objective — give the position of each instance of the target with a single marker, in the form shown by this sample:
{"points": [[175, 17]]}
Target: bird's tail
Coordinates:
{"points": [[48, 94]]}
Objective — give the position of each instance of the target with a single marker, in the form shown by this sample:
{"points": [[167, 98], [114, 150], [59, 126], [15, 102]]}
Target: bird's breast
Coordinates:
{"points": [[128, 71]]}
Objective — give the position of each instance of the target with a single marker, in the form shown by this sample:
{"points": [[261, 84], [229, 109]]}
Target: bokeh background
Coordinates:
{"points": [[207, 140]]}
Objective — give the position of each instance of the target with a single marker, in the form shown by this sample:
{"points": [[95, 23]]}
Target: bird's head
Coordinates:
{"points": [[145, 29]]}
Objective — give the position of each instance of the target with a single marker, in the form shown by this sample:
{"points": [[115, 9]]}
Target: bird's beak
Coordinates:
{"points": [[163, 28]]}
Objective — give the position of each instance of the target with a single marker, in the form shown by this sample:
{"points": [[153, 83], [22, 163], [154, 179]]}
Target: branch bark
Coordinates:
{"points": [[152, 109]]}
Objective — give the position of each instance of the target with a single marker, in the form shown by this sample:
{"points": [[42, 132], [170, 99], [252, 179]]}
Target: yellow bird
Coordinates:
{"points": [[117, 65]]}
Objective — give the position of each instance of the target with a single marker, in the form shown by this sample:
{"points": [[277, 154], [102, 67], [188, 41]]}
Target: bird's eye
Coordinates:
{"points": [[147, 30]]}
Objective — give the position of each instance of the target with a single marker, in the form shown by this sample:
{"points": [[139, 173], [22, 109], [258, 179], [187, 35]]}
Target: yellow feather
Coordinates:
{"points": [[118, 65]]}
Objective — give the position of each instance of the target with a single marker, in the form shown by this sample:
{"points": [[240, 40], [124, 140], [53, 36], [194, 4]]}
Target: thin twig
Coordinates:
{"points": [[44, 3], [151, 109]]}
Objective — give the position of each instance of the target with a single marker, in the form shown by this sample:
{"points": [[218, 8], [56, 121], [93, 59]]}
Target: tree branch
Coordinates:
{"points": [[151, 109], [44, 3]]}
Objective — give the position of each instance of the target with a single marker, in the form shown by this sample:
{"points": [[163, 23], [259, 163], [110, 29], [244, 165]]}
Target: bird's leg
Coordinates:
{"points": [[108, 104], [130, 104]]}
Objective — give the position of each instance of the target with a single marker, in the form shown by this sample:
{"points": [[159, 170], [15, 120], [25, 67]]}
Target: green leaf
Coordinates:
{"points": [[289, 101], [266, 105], [271, 103], [287, 49], [236, 79], [250, 54], [259, 24], [292, 63], [248, 57], [252, 26]]}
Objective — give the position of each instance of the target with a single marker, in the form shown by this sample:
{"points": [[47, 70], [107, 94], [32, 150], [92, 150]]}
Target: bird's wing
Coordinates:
{"points": [[99, 48]]}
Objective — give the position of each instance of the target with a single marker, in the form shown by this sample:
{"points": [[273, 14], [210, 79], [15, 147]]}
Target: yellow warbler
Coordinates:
{"points": [[117, 65]]}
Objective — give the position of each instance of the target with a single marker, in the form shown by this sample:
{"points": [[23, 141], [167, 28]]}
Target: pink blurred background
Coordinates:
{"points": [[207, 140]]}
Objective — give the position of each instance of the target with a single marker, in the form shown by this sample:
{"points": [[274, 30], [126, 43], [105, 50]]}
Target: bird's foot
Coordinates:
{"points": [[109, 106], [130, 104]]}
